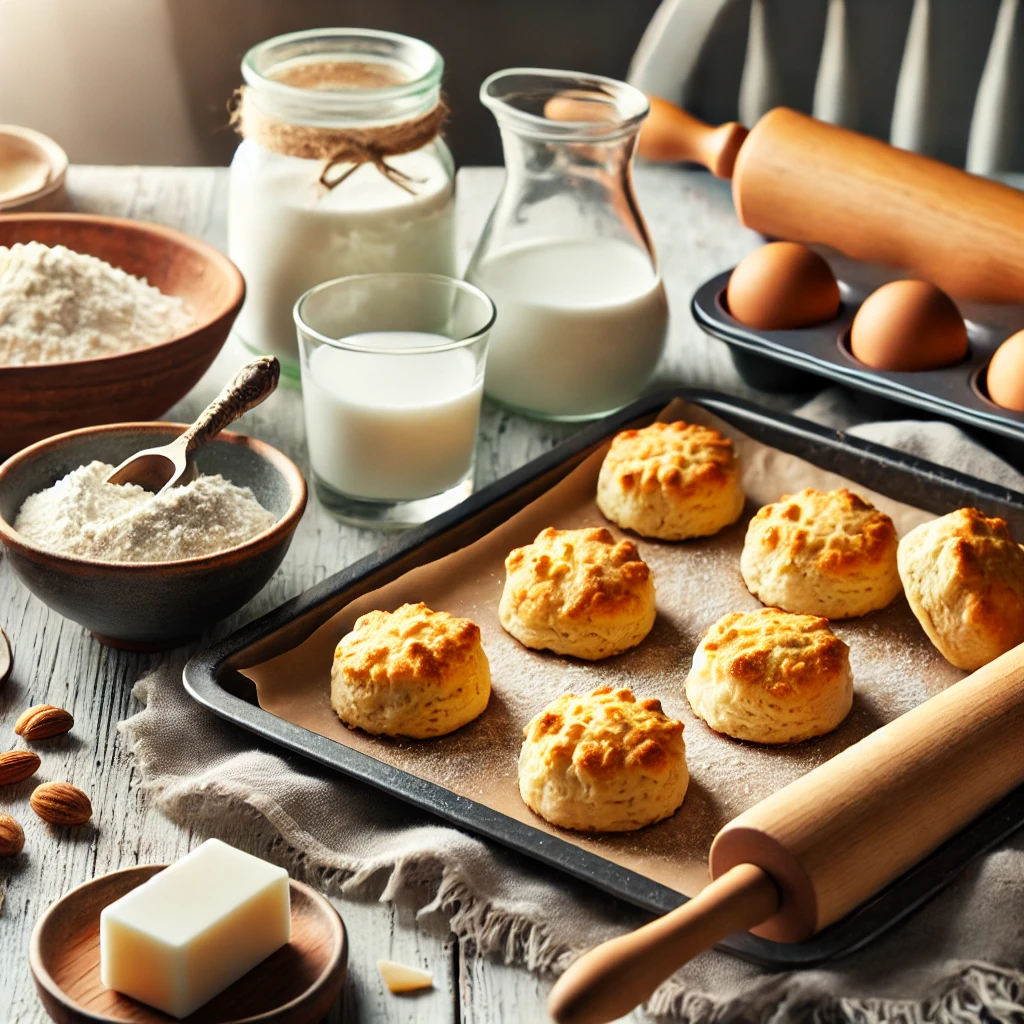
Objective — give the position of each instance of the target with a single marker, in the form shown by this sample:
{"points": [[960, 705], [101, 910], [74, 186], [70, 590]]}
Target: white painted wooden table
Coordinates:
{"points": [[696, 234]]}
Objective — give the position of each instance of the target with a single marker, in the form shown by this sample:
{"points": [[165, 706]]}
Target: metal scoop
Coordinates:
{"points": [[157, 469]]}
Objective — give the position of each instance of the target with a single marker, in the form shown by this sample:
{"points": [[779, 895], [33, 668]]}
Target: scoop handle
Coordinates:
{"points": [[609, 980], [251, 385], [670, 135]]}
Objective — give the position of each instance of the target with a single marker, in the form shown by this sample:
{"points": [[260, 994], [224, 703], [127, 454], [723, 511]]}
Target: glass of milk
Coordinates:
{"points": [[392, 381], [287, 230], [582, 313]]}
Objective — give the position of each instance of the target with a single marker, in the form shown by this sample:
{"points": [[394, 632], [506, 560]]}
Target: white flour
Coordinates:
{"points": [[83, 515], [58, 305]]}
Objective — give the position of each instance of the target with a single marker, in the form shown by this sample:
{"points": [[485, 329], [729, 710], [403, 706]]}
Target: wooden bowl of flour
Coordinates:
{"points": [[151, 605], [41, 399]]}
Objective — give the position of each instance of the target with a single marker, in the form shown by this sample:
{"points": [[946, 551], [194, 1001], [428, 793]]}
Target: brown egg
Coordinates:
{"points": [[1005, 375], [908, 325], [781, 286]]}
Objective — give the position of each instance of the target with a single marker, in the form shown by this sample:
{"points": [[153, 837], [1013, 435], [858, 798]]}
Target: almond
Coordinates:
{"points": [[17, 766], [12, 837], [400, 978], [60, 803], [43, 721]]}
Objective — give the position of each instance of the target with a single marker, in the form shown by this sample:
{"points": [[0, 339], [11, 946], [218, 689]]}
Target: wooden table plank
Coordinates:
{"points": [[55, 660], [380, 932], [485, 985]]}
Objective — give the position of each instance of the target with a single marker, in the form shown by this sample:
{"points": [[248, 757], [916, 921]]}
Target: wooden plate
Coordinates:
{"points": [[32, 171], [297, 985]]}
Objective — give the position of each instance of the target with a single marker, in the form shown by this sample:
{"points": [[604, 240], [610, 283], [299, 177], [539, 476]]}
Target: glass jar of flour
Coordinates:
{"points": [[341, 171]]}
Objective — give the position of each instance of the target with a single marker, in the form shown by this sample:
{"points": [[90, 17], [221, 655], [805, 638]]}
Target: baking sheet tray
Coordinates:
{"points": [[653, 868], [955, 392]]}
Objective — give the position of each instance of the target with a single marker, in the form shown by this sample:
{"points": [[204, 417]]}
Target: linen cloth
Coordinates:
{"points": [[958, 959]]}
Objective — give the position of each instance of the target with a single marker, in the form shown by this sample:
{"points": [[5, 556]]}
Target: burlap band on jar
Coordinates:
{"points": [[347, 148]]}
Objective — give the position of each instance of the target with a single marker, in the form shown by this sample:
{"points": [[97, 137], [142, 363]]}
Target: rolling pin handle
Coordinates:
{"points": [[671, 135], [610, 980]]}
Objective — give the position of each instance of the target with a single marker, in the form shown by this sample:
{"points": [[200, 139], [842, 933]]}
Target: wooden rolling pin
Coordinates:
{"points": [[810, 853], [807, 181]]}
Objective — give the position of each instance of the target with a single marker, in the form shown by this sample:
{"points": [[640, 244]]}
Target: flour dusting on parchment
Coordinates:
{"points": [[894, 665]]}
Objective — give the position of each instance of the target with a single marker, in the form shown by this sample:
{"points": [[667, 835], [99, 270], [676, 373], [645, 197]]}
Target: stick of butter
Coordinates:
{"points": [[195, 928]]}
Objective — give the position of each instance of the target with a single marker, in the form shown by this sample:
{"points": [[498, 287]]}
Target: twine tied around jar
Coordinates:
{"points": [[338, 146]]}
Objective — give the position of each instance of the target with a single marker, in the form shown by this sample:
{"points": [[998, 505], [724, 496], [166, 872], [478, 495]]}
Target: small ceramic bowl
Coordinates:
{"points": [[41, 399], [151, 605]]}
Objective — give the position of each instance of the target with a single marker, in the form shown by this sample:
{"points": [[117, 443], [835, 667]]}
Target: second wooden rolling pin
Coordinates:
{"points": [[807, 181], [810, 853]]}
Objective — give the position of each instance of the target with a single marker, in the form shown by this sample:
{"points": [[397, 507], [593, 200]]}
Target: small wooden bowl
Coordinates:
{"points": [[296, 985], [41, 399], [151, 605]]}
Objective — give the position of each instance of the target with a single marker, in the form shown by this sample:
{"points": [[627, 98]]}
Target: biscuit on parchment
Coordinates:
{"points": [[671, 481], [770, 676], [578, 592], [411, 672], [964, 578], [827, 553], [603, 762]]}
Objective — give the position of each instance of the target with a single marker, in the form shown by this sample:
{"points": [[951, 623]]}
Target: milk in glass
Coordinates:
{"points": [[392, 427]]}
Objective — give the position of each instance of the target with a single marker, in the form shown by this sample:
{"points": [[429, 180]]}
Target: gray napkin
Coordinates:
{"points": [[956, 960]]}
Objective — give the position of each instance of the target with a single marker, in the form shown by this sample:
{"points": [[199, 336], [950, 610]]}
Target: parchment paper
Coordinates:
{"points": [[895, 667]]}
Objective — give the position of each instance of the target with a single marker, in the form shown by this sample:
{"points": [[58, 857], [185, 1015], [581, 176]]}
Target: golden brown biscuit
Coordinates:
{"points": [[578, 592], [671, 481], [964, 578], [411, 672], [770, 676], [603, 763], [821, 553]]}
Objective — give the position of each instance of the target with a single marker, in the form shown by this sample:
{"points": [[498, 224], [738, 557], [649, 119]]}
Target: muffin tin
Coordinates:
{"points": [[215, 677], [767, 360]]}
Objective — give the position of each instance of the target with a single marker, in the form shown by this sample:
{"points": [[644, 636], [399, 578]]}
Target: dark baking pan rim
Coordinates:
{"points": [[213, 679], [952, 392]]}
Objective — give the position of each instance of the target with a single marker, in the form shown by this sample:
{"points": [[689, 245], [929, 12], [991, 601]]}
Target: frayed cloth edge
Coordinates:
{"points": [[978, 993]]}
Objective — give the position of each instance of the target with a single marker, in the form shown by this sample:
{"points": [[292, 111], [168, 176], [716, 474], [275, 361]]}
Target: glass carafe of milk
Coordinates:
{"points": [[566, 258], [340, 171]]}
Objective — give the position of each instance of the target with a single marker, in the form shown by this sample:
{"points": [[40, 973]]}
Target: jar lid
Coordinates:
{"points": [[32, 170], [343, 75]]}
